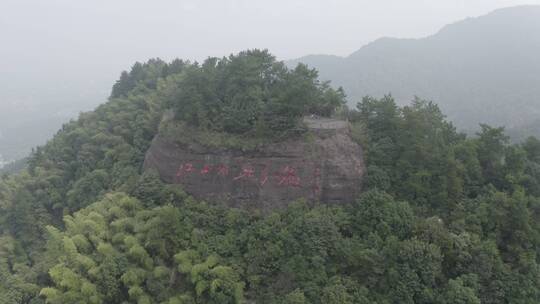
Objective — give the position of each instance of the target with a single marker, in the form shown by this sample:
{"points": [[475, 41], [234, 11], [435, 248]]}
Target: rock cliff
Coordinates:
{"points": [[326, 166]]}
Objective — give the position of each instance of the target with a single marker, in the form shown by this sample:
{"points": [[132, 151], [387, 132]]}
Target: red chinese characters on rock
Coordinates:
{"points": [[288, 177], [222, 170], [184, 169], [264, 175], [206, 169], [246, 173]]}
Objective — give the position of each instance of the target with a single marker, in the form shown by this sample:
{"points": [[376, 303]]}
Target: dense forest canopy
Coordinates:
{"points": [[443, 218], [248, 92]]}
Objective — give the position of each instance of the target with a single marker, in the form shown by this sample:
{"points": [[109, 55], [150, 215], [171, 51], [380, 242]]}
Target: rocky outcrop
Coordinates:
{"points": [[328, 167]]}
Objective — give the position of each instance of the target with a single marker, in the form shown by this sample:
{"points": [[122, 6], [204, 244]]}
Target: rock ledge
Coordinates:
{"points": [[329, 168]]}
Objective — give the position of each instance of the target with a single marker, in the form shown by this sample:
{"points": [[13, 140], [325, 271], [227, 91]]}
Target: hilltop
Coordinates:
{"points": [[440, 218]]}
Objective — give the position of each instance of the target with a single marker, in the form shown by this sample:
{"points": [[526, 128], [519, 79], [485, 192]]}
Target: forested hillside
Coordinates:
{"points": [[444, 218], [484, 69]]}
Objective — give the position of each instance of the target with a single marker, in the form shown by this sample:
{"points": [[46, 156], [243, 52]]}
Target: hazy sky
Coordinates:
{"points": [[53, 46], [98, 30]]}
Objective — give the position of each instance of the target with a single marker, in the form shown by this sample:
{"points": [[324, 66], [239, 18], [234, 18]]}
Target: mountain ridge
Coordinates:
{"points": [[483, 62]]}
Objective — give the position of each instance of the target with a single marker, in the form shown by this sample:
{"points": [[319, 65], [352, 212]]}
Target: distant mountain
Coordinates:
{"points": [[479, 70]]}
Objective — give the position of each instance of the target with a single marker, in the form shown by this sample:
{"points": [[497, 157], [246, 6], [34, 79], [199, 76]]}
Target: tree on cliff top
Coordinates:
{"points": [[250, 90]]}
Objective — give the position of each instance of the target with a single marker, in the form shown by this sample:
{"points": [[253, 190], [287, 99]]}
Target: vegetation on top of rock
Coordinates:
{"points": [[249, 93]]}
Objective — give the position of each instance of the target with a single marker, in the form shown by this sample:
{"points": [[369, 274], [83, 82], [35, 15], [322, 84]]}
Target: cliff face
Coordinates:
{"points": [[328, 168]]}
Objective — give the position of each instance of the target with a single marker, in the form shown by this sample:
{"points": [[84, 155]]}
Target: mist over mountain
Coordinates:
{"points": [[47, 102], [479, 70]]}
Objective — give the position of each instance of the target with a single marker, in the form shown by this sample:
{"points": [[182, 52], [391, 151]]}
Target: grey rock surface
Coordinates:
{"points": [[327, 168]]}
